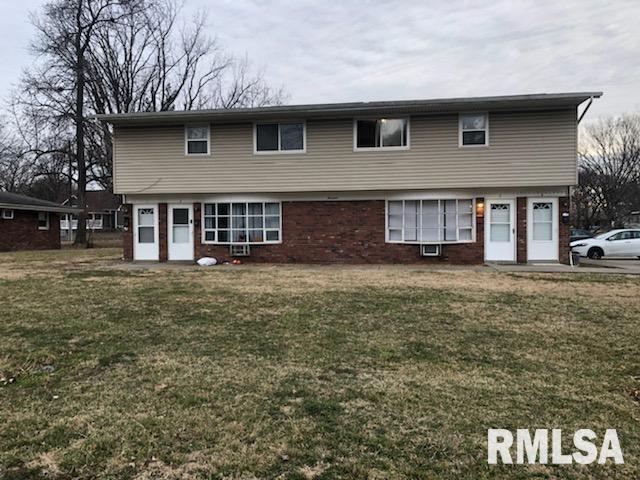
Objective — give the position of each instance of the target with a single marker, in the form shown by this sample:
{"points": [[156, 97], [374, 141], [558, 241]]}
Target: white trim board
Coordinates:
{"points": [[350, 196]]}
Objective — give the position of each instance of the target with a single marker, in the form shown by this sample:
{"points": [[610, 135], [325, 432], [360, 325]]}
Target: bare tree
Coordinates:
{"points": [[14, 173], [609, 171], [116, 56], [148, 62], [65, 32]]}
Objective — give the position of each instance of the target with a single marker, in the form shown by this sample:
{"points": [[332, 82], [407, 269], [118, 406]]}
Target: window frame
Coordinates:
{"points": [[187, 139], [46, 217], [440, 200], [279, 151], [8, 217], [461, 130], [203, 215], [381, 148], [550, 222]]}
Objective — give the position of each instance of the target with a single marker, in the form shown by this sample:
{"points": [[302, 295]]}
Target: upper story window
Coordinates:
{"points": [[197, 139], [474, 130], [43, 221], [280, 137], [7, 214], [382, 133]]}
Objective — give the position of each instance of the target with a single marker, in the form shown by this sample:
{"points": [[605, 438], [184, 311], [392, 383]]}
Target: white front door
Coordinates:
{"points": [[145, 232], [180, 232], [500, 231], [542, 229]]}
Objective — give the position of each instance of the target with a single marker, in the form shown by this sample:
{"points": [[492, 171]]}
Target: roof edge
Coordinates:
{"points": [[575, 98], [40, 208]]}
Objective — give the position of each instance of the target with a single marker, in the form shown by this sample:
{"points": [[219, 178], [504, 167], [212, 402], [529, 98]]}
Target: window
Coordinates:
{"points": [[197, 139], [7, 214], [543, 221], [474, 130], [382, 133], [280, 137], [242, 222], [146, 225], [430, 221], [626, 235], [43, 221]]}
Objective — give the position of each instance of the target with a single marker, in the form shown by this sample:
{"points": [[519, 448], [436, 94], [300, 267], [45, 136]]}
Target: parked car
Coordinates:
{"points": [[579, 234], [616, 243]]}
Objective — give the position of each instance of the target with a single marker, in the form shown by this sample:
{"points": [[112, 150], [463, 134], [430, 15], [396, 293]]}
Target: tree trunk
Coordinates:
{"points": [[81, 232]]}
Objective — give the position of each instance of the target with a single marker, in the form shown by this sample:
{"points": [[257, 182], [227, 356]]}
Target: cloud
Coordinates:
{"points": [[382, 50]]}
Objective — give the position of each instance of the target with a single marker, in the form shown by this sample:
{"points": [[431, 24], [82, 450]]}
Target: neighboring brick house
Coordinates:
{"points": [[28, 223], [102, 210], [463, 180]]}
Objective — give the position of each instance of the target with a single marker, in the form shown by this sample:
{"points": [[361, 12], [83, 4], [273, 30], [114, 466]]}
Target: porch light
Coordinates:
{"points": [[480, 209]]}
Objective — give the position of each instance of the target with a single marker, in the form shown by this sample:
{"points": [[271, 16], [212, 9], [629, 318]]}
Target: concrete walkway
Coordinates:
{"points": [[586, 266]]}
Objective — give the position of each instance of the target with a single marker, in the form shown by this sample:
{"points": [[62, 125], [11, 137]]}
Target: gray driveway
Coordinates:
{"points": [[628, 265]]}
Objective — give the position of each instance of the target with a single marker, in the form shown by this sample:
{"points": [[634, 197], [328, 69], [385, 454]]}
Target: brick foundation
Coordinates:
{"points": [[22, 233]]}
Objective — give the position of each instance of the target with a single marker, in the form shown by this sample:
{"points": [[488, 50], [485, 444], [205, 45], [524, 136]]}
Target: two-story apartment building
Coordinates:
{"points": [[463, 180]]}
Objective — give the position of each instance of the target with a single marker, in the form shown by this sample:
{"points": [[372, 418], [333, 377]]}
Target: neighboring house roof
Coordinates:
{"points": [[22, 202], [102, 201], [98, 201], [340, 110]]}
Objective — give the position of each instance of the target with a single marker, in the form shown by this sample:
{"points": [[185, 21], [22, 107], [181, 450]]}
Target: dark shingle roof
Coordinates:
{"points": [[22, 202]]}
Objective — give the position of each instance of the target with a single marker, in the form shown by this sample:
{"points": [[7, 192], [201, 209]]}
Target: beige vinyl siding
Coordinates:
{"points": [[526, 149]]}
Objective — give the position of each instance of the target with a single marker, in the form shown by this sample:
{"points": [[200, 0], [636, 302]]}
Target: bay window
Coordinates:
{"points": [[241, 222], [430, 221]]}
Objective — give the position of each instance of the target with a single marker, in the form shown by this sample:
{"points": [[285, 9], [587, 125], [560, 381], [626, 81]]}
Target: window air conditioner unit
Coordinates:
{"points": [[430, 250], [239, 250]]}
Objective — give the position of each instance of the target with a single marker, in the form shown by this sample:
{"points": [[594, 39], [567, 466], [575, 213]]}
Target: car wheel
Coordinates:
{"points": [[595, 254]]}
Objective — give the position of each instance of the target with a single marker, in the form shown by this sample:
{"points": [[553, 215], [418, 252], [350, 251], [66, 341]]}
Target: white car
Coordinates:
{"points": [[616, 243]]}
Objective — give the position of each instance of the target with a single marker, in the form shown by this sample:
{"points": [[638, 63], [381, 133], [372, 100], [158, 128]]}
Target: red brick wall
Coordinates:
{"points": [[341, 232], [521, 230], [346, 232], [127, 234], [22, 233], [162, 234], [564, 230]]}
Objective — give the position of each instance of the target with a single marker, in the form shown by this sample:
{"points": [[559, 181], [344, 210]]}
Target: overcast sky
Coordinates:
{"points": [[332, 51]]}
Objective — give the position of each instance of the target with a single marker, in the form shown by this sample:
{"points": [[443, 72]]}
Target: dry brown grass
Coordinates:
{"points": [[304, 372]]}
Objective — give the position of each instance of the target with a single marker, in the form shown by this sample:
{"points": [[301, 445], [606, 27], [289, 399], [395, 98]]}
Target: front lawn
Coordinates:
{"points": [[305, 372]]}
